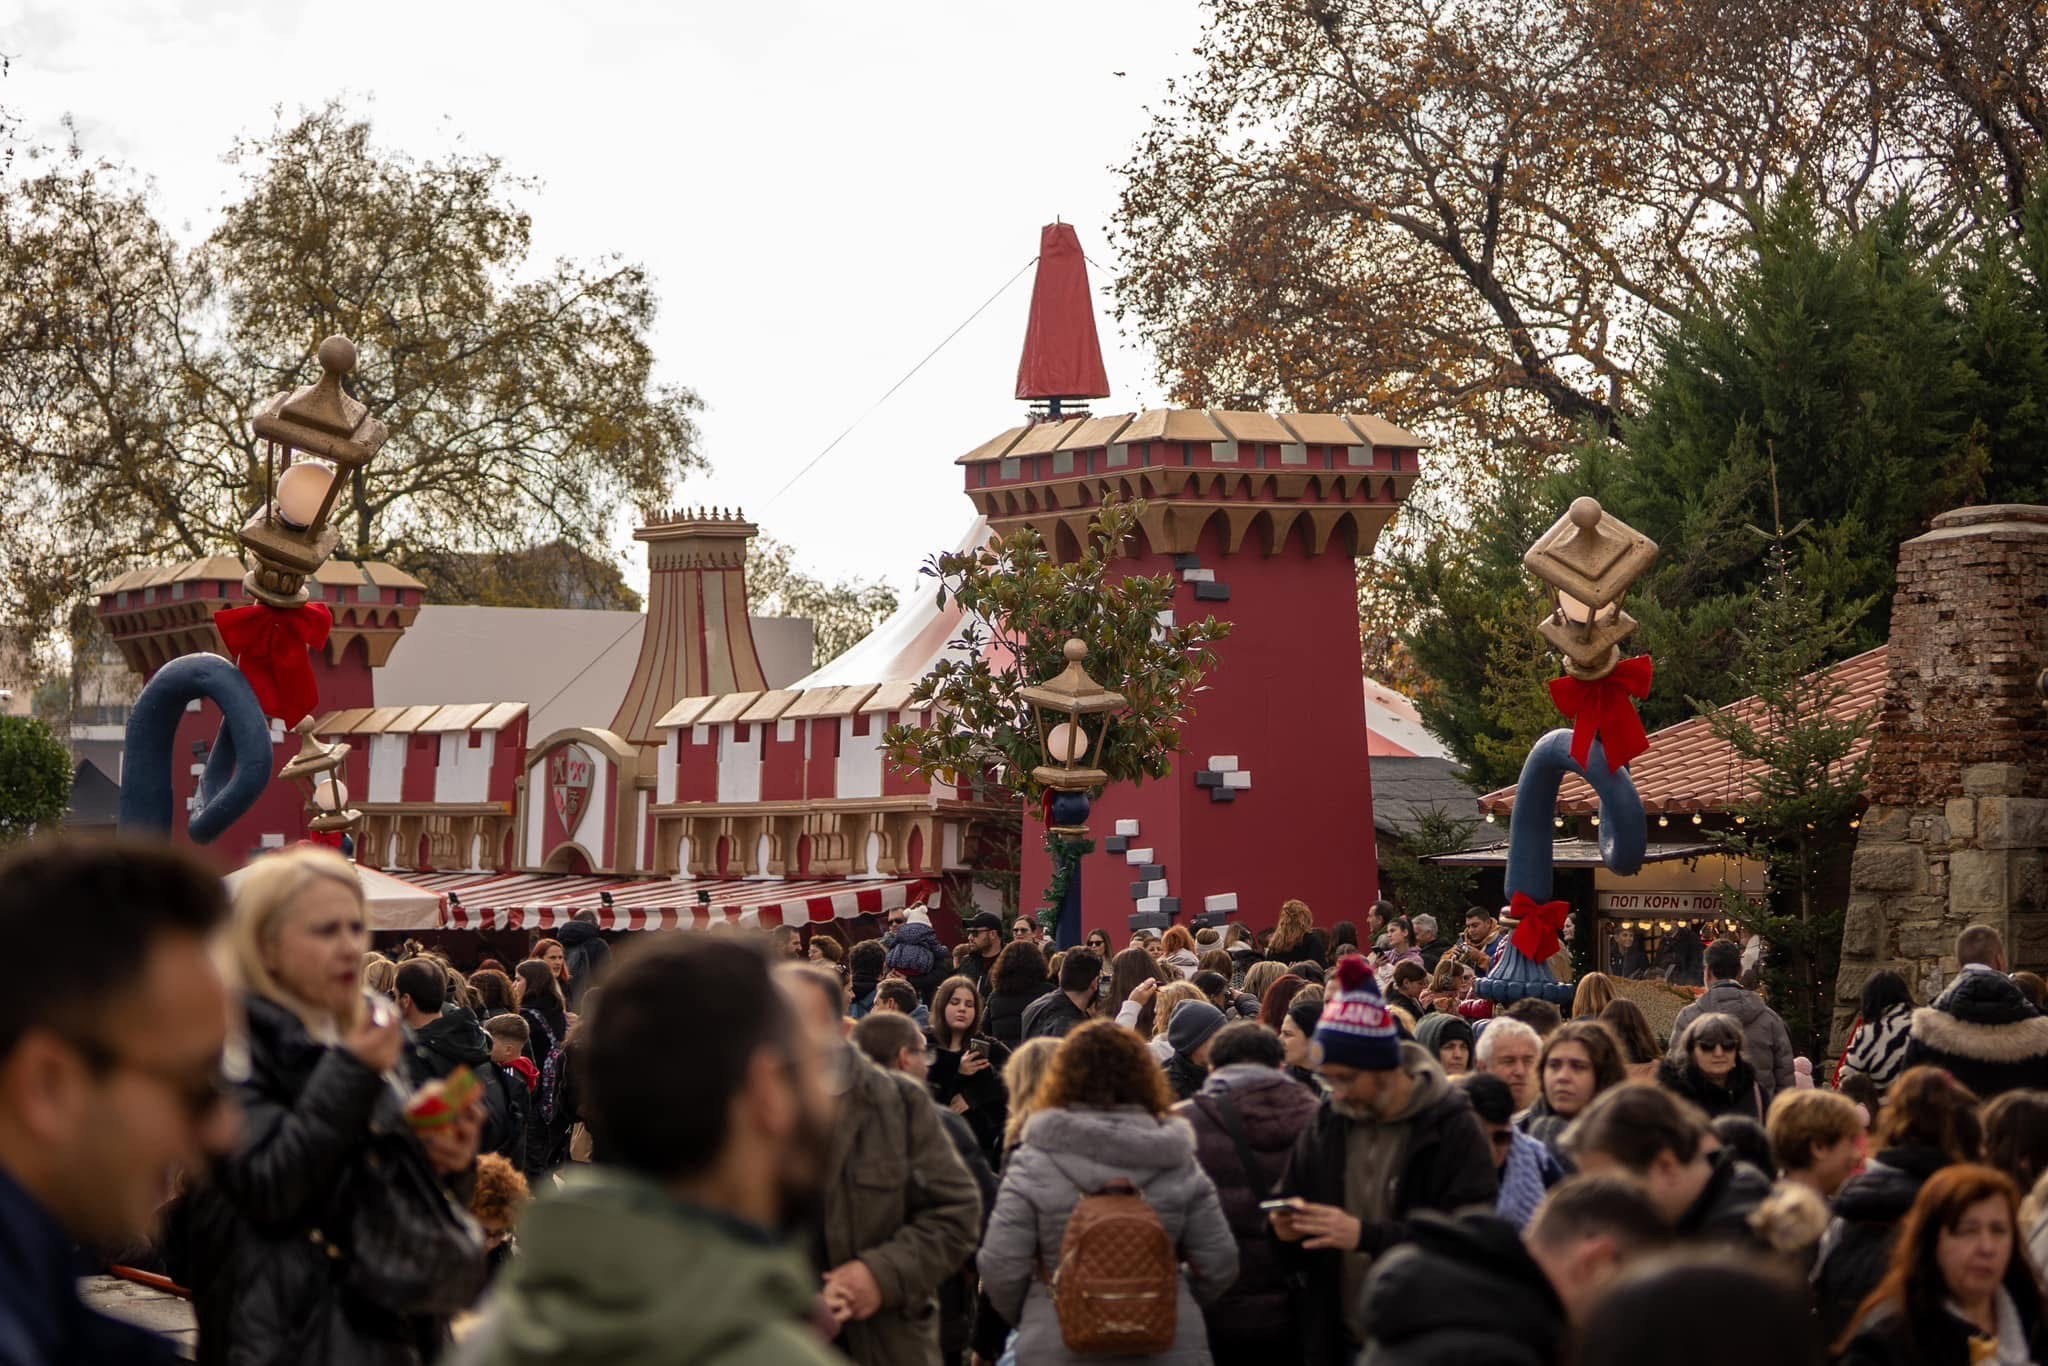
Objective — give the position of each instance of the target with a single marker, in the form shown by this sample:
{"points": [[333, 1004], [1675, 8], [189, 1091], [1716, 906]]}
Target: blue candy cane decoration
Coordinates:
{"points": [[237, 769], [1624, 837]]}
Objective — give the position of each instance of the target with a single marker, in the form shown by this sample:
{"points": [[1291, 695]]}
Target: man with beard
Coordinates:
{"points": [[901, 1214], [675, 1247], [1392, 1139]]}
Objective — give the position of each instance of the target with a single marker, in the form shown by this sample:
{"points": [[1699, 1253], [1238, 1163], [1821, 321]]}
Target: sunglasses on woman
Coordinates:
{"points": [[1717, 1047]]}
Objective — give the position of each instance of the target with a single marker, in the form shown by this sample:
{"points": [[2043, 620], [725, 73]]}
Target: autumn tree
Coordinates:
{"points": [[1888, 373], [520, 395], [841, 612], [1475, 218]]}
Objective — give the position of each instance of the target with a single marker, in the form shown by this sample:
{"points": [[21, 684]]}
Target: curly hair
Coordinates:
{"points": [[1019, 967], [1177, 938], [501, 1193], [1171, 997], [1100, 1065], [1296, 920]]}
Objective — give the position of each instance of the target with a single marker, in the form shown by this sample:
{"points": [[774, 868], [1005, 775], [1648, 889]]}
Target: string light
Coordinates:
{"points": [[1663, 822], [1696, 818]]}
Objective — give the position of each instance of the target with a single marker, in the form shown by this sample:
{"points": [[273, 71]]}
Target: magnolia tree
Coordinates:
{"points": [[1021, 607]]}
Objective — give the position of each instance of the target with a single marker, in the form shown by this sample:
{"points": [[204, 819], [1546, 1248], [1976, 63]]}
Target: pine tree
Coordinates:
{"points": [[1792, 734]]}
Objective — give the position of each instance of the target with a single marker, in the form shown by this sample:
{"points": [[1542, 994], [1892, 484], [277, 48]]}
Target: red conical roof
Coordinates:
{"points": [[1062, 358]]}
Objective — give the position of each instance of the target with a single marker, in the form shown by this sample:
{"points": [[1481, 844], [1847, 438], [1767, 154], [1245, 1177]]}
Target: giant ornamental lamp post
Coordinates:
{"points": [[1587, 560], [1067, 709], [313, 438]]}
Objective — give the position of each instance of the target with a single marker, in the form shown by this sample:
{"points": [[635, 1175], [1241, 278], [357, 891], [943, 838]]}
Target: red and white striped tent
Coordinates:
{"points": [[542, 901]]}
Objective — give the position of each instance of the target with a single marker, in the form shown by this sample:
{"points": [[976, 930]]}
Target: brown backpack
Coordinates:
{"points": [[1117, 1287]]}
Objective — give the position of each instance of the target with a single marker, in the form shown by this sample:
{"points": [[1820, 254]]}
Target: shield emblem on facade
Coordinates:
{"points": [[571, 771]]}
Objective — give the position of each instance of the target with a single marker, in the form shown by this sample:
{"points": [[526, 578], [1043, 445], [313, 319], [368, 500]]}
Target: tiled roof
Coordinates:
{"points": [[1689, 768], [1405, 788]]}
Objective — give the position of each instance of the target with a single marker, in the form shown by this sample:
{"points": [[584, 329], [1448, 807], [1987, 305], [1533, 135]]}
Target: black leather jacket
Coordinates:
{"points": [[263, 1291]]}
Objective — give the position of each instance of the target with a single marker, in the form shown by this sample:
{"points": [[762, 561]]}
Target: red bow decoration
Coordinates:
{"points": [[1601, 711], [1539, 928], [269, 645]]}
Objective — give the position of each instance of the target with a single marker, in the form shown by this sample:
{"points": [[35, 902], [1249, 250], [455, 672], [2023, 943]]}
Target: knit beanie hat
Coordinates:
{"points": [[1356, 1029], [1192, 1024]]}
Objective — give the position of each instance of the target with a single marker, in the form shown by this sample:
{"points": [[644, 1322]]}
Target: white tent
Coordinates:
{"points": [[394, 904]]}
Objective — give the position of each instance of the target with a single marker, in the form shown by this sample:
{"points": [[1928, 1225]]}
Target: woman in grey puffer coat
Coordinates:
{"points": [[1101, 1114]]}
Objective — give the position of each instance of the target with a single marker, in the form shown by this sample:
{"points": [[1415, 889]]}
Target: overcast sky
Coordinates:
{"points": [[822, 191]]}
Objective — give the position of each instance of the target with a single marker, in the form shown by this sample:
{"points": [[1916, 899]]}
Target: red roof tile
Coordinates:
{"points": [[1689, 768]]}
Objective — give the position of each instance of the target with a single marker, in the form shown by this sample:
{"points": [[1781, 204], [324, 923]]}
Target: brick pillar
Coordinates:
{"points": [[1957, 829]]}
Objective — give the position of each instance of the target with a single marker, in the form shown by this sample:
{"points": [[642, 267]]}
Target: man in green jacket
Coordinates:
{"points": [[713, 1111]]}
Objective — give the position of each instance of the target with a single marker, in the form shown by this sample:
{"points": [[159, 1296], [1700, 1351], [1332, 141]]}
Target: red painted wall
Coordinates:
{"points": [[1286, 700], [821, 778], [782, 762], [696, 768]]}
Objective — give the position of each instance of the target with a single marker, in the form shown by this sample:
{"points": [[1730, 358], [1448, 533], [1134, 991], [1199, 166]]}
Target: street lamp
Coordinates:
{"points": [[318, 766], [313, 439], [1588, 560], [1074, 714]]}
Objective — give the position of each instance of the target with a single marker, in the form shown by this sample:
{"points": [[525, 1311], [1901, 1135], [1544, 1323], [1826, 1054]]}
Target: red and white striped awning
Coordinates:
{"points": [[542, 901]]}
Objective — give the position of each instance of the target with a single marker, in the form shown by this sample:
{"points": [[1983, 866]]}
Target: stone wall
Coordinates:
{"points": [[1957, 829]]}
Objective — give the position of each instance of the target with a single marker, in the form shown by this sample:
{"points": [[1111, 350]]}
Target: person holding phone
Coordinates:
{"points": [[1392, 1138], [967, 1065]]}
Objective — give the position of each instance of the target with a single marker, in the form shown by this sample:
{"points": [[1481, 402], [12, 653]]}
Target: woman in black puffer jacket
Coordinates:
{"points": [[1017, 979], [1706, 1066], [1253, 1321], [261, 1240], [1929, 1122]]}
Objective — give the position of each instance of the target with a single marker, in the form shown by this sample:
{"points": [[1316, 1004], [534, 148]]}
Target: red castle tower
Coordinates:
{"points": [[156, 614], [1261, 518]]}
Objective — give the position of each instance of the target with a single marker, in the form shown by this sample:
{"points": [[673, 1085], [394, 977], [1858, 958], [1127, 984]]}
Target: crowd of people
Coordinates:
{"points": [[1312, 1144]]}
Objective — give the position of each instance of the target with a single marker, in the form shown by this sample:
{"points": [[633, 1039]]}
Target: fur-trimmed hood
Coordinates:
{"points": [[1983, 1017]]}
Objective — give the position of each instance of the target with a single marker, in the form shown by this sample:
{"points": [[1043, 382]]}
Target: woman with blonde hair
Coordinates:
{"points": [[1021, 1077], [380, 976], [1296, 937], [1259, 978], [1595, 994], [324, 1136], [1171, 997]]}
